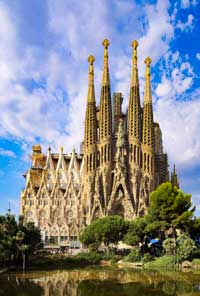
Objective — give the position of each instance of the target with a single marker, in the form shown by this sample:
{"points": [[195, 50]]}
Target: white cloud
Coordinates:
{"points": [[188, 3], [53, 111], [9, 153], [178, 113], [198, 55], [188, 25]]}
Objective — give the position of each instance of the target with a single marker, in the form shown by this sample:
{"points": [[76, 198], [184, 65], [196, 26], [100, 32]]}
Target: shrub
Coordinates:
{"points": [[185, 247], [169, 246], [134, 256], [90, 258], [147, 258]]}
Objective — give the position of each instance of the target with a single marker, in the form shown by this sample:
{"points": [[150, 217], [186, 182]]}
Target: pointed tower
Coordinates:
{"points": [[105, 118], [90, 138], [174, 178], [134, 112], [134, 128], [147, 159]]}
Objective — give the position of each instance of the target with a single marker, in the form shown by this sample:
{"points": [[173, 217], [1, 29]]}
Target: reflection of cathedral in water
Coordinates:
{"points": [[121, 162], [112, 282]]}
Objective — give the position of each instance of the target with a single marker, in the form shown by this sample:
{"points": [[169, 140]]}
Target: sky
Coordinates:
{"points": [[44, 46]]}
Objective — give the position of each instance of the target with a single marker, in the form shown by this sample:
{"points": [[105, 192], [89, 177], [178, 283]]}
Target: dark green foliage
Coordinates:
{"points": [[17, 239], [136, 232], [134, 256], [170, 209], [185, 247], [147, 258], [169, 246], [180, 248], [63, 261], [110, 229]]}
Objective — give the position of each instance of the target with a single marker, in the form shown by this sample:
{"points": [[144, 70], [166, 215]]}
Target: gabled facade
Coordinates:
{"points": [[121, 163]]}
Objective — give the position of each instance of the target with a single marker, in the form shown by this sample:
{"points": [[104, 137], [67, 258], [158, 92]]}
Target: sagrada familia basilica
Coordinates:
{"points": [[121, 161]]}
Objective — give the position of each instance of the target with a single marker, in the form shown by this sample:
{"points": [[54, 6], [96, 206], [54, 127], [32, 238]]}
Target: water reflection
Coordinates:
{"points": [[99, 282]]}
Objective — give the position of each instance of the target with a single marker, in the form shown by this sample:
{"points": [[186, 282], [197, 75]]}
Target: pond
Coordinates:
{"points": [[100, 281]]}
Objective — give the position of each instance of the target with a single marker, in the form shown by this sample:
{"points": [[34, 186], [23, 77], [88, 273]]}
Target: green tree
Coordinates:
{"points": [[110, 229], [170, 209], [17, 240], [8, 230], [169, 246], [136, 233], [185, 247], [181, 247], [87, 237]]}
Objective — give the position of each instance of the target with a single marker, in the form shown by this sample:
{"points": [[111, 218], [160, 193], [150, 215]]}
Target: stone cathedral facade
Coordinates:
{"points": [[120, 163]]}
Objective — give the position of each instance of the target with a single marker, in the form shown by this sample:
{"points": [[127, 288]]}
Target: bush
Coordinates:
{"points": [[89, 258], [133, 256], [147, 258], [115, 259], [169, 246]]}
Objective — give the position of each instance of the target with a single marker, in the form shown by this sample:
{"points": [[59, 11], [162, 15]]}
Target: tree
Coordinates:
{"points": [[181, 248], [110, 229], [185, 247], [136, 232], [170, 209], [17, 240], [169, 246], [87, 237]]}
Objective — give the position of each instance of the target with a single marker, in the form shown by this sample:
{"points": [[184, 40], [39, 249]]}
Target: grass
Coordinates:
{"points": [[161, 262], [196, 263]]}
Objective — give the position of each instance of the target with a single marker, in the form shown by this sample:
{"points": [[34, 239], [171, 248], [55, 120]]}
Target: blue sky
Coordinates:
{"points": [[44, 47]]}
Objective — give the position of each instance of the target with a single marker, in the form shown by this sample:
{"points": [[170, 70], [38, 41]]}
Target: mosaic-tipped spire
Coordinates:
{"points": [[106, 76]]}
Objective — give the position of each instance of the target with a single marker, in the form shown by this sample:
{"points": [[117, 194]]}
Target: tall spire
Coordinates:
{"points": [[147, 128], [147, 93], [105, 120], [91, 93], [90, 139], [106, 77], [174, 178], [134, 111], [134, 77]]}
